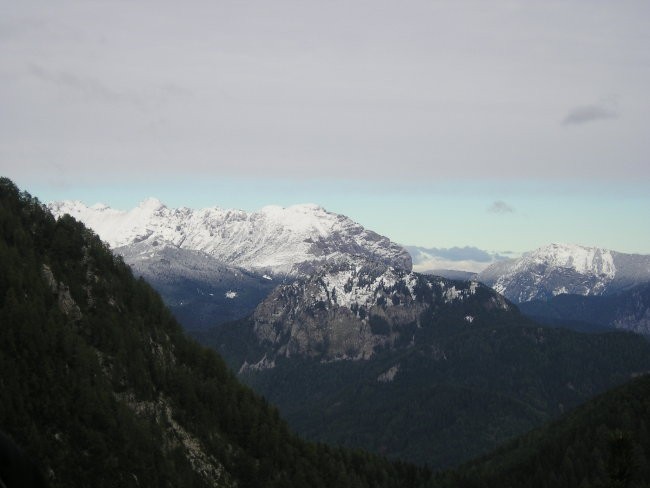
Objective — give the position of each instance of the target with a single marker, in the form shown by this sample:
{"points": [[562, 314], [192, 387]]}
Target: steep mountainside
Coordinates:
{"points": [[604, 443], [566, 269], [415, 366], [349, 312], [274, 240], [200, 291], [100, 386]]}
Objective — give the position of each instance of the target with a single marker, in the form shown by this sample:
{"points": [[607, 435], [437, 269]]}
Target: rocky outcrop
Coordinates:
{"points": [[350, 312], [66, 303]]}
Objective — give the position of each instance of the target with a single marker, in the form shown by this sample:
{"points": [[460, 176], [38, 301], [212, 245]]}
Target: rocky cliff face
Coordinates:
{"points": [[349, 312]]}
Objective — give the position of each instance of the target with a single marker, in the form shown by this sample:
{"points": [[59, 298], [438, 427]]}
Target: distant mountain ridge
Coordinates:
{"points": [[215, 265], [566, 269], [273, 240]]}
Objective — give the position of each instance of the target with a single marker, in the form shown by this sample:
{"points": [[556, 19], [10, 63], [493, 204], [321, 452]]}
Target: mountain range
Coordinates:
{"points": [[213, 265], [273, 241], [559, 269], [102, 387], [585, 288]]}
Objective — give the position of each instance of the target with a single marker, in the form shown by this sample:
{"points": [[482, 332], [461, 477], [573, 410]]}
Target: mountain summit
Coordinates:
{"points": [[566, 269], [273, 240]]}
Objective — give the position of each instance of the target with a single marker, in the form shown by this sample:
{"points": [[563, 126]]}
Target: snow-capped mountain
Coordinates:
{"points": [[214, 265], [274, 240], [566, 269]]}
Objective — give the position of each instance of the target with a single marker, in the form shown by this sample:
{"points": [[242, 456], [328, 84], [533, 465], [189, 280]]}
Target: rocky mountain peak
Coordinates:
{"points": [[348, 311], [559, 269], [274, 240]]}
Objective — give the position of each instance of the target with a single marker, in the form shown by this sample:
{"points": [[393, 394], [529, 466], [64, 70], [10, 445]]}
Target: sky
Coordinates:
{"points": [[503, 125]]}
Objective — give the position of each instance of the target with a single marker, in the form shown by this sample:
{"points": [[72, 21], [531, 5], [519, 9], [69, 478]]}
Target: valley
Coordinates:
{"points": [[339, 244], [357, 350]]}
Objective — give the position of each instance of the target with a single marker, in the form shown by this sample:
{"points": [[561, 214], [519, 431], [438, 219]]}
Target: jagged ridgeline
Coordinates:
{"points": [[100, 387]]}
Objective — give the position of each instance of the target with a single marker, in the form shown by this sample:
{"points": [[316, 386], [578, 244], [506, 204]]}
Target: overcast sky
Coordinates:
{"points": [[426, 120]]}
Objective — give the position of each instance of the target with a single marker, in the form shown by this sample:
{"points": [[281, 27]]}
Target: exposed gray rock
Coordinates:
{"points": [[67, 305]]}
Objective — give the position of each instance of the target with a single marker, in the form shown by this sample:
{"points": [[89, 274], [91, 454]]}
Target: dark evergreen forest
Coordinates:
{"points": [[100, 386]]}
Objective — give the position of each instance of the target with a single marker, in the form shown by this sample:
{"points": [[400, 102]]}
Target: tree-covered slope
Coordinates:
{"points": [[452, 398], [99, 385], [433, 371], [625, 310], [604, 443]]}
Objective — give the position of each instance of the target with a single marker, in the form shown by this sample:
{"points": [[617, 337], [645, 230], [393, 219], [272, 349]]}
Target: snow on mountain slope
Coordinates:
{"points": [[273, 240], [566, 269], [345, 311], [200, 290]]}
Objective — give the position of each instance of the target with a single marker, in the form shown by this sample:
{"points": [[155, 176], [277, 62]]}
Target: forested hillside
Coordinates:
{"points": [[100, 387], [604, 443], [447, 399]]}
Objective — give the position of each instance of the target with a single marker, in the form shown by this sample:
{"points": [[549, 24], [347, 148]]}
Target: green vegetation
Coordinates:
{"points": [[100, 385], [604, 443], [458, 391]]}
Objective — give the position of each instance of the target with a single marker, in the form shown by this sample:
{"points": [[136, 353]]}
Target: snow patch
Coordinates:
{"points": [[261, 365], [389, 375], [562, 290]]}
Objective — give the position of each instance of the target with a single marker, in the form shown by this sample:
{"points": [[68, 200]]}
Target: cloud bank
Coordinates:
{"points": [[466, 258], [434, 91]]}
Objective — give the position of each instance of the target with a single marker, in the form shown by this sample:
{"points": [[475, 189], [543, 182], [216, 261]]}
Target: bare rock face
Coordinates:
{"points": [[67, 305], [333, 314], [349, 312]]}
